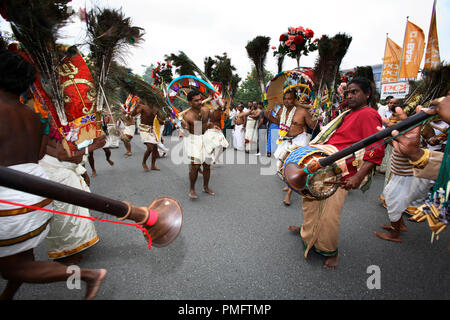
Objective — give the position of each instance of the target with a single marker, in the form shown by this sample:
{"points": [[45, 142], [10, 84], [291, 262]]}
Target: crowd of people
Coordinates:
{"points": [[34, 145]]}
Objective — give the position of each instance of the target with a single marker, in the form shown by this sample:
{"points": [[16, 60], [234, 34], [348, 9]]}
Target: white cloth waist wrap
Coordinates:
{"points": [[129, 130], [147, 134], [68, 234], [21, 226], [194, 148], [287, 146], [212, 139]]}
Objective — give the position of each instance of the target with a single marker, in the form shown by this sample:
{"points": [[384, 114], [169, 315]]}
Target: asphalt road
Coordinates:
{"points": [[236, 244]]}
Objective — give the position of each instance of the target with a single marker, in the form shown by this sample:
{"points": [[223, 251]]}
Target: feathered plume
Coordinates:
{"points": [[128, 82], [434, 84], [331, 53], [35, 24], [110, 34], [257, 52]]}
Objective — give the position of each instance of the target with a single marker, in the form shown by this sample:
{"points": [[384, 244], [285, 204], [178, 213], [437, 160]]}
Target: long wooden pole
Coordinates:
{"points": [[405, 124], [49, 189]]}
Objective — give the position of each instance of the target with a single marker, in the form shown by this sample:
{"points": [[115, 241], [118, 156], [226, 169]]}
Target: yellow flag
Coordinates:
{"points": [[391, 62], [432, 58], [413, 47]]}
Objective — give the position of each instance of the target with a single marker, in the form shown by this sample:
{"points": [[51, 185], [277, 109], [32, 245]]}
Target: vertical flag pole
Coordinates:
{"points": [[403, 49], [384, 62]]}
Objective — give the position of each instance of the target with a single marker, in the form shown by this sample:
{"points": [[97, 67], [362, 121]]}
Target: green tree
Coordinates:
{"points": [[209, 63], [250, 89], [147, 76], [182, 65], [221, 70]]}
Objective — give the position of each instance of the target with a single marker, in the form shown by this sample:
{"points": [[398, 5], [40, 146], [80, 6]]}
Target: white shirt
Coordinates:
{"points": [[233, 114], [382, 110]]}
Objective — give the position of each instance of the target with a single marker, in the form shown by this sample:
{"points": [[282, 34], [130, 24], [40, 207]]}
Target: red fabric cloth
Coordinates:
{"points": [[356, 126]]}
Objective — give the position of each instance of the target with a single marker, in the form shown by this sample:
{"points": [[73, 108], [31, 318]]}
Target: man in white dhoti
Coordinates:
{"points": [[292, 120], [239, 129], [127, 133], [109, 129], [68, 235], [251, 130], [403, 194], [23, 229], [213, 138], [196, 122], [150, 116]]}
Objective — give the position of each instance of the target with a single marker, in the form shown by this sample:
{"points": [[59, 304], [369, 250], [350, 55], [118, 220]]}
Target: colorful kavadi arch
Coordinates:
{"points": [[180, 87], [300, 79]]}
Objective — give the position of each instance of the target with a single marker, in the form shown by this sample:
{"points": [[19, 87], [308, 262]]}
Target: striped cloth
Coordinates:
{"points": [[400, 165]]}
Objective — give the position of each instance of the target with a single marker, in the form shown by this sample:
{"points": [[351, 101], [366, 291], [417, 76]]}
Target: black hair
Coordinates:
{"points": [[192, 94], [16, 73], [365, 85], [389, 98], [291, 91]]}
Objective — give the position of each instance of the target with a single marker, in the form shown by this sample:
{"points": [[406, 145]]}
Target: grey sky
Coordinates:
{"points": [[206, 28]]}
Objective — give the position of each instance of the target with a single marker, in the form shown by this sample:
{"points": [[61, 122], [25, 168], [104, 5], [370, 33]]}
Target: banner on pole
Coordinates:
{"points": [[413, 47], [432, 57], [398, 90], [391, 62]]}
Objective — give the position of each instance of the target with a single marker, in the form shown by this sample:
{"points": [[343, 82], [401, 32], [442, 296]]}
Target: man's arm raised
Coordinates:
{"points": [[268, 115]]}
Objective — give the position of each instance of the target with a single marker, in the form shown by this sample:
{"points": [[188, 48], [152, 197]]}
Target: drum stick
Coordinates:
{"points": [[334, 182]]}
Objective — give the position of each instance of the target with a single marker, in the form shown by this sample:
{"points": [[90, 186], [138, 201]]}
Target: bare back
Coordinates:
{"points": [[147, 114], [20, 132], [216, 116]]}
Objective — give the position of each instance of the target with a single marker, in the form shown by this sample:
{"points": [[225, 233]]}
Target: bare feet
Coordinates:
{"points": [[390, 236], [209, 191], [155, 168], [192, 194], [146, 169], [286, 202], [94, 174], [70, 260], [294, 229], [403, 228], [331, 263], [110, 162], [93, 285]]}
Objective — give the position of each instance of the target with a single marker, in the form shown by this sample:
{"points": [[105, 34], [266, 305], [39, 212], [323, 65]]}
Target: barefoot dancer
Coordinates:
{"points": [[146, 130], [320, 228], [128, 121], [106, 119], [196, 121], [292, 120], [68, 235], [214, 138], [21, 229], [239, 129]]}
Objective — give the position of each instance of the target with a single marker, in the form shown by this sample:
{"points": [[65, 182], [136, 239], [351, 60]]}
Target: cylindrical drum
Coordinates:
{"points": [[318, 184]]}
